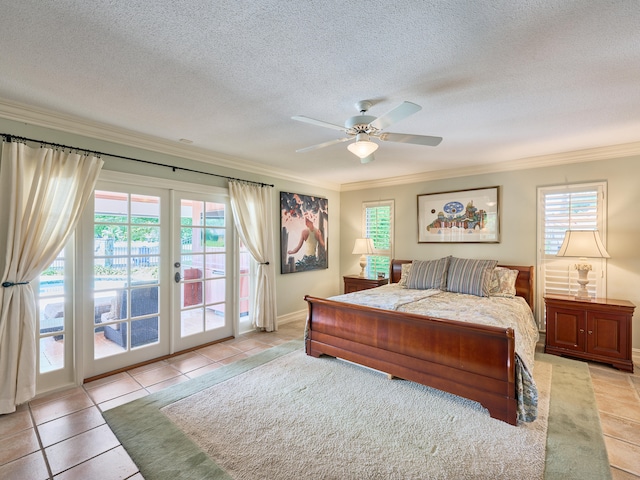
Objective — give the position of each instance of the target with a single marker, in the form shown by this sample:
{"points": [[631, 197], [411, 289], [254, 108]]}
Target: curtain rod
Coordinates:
{"points": [[9, 138]]}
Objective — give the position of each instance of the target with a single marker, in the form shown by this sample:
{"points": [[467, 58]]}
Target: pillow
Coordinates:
{"points": [[428, 274], [503, 282], [404, 274], [469, 276]]}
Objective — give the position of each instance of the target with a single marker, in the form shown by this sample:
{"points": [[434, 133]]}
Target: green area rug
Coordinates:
{"points": [[575, 447]]}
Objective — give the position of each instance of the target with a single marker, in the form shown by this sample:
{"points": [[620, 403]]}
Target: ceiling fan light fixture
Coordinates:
{"points": [[362, 147]]}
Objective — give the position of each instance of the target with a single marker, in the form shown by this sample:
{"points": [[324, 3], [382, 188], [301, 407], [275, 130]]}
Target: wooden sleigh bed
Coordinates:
{"points": [[470, 360]]}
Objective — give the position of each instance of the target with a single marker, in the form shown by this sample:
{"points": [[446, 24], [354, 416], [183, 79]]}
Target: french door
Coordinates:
{"points": [[159, 274], [127, 269], [202, 269]]}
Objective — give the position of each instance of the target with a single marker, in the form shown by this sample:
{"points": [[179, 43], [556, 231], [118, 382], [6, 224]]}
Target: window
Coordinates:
{"points": [[377, 224], [561, 208]]}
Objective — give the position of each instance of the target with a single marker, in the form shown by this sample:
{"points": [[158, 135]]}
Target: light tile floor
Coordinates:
{"points": [[63, 435], [618, 398]]}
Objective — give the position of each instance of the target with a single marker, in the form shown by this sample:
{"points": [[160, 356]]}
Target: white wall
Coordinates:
{"points": [[517, 220]]}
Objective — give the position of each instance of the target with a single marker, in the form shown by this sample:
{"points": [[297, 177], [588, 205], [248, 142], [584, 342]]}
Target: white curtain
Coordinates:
{"points": [[42, 194], [252, 213]]}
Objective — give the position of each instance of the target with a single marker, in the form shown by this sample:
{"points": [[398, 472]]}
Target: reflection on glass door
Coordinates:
{"points": [[202, 271]]}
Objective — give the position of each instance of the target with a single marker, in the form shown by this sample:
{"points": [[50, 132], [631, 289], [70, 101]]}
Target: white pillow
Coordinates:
{"points": [[404, 274], [503, 282]]}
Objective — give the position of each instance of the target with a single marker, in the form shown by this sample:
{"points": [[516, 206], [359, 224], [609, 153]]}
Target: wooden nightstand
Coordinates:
{"points": [[596, 329], [355, 283]]}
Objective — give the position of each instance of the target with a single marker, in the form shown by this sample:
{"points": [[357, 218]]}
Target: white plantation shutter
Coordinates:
{"points": [[377, 224], [562, 208]]}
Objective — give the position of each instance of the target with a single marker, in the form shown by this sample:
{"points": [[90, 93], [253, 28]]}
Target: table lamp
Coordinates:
{"points": [[583, 244], [363, 247]]}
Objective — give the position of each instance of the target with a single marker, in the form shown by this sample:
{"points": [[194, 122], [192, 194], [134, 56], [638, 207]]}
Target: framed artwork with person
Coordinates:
{"points": [[304, 221]]}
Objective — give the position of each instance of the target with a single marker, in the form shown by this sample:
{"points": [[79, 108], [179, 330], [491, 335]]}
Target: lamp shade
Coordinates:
{"points": [[363, 246], [582, 243], [362, 147]]}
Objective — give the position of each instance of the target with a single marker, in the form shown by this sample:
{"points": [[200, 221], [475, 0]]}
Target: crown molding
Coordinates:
{"points": [[564, 158], [98, 131], [95, 130]]}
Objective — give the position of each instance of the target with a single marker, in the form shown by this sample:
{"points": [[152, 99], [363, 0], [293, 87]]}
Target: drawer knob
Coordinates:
{"points": [[582, 330], [590, 332]]}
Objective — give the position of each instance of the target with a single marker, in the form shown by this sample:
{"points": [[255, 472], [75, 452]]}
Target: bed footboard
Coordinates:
{"points": [[473, 361]]}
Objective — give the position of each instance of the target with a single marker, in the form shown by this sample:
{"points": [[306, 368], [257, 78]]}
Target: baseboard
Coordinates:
{"points": [[292, 317]]}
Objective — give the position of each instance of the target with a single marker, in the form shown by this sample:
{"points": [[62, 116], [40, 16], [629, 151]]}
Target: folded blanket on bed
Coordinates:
{"points": [[386, 297]]}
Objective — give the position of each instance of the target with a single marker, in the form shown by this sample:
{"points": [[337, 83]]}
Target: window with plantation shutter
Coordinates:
{"points": [[377, 224], [562, 208]]}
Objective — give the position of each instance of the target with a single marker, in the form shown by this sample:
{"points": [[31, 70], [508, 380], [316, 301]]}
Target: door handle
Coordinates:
{"points": [[177, 277]]}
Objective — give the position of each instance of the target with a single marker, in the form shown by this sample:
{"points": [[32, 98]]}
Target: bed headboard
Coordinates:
{"points": [[524, 282]]}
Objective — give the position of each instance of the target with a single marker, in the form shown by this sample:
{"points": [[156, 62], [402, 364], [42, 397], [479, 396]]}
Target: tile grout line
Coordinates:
{"points": [[632, 475], [40, 444], [621, 440], [91, 458]]}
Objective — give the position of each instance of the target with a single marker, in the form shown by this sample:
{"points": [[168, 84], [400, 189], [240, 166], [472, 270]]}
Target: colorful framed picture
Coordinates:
{"points": [[463, 216], [304, 223]]}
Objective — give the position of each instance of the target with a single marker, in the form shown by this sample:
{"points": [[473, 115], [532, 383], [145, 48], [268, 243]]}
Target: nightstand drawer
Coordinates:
{"points": [[355, 283]]}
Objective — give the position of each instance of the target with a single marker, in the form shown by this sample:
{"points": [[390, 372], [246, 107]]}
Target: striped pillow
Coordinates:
{"points": [[428, 274], [469, 276]]}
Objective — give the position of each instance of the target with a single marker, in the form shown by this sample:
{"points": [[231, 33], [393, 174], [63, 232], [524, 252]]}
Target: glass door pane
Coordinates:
{"points": [[52, 314], [244, 288], [55, 332]]}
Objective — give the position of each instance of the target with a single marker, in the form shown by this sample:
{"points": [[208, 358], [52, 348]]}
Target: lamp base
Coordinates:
{"points": [[583, 271], [583, 296], [363, 264]]}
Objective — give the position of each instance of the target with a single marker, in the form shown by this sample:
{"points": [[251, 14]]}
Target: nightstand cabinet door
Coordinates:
{"points": [[566, 328], [606, 334]]}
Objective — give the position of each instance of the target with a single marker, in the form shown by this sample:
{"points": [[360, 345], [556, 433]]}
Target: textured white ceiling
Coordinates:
{"points": [[498, 80]]}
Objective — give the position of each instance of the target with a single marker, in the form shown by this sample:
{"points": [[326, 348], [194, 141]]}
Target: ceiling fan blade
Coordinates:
{"points": [[320, 123], [322, 145], [407, 138], [395, 115], [368, 159]]}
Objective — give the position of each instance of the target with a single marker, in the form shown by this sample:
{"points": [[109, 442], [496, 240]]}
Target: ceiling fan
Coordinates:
{"points": [[364, 127]]}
